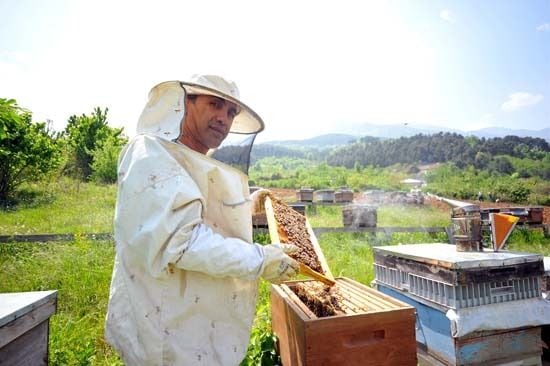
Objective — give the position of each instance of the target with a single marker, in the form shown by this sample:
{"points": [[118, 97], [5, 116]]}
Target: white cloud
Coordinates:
{"points": [[544, 27], [520, 100], [447, 16]]}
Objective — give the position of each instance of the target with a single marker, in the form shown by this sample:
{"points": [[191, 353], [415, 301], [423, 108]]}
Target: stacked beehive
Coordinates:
{"points": [[472, 307]]}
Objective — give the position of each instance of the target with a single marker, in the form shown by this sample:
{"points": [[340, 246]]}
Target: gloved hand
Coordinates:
{"points": [[278, 266], [258, 201]]}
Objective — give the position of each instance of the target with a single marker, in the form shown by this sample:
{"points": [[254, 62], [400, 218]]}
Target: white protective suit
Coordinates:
{"points": [[185, 276]]}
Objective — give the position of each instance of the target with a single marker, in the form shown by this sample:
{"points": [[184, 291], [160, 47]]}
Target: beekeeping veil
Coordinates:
{"points": [[165, 110]]}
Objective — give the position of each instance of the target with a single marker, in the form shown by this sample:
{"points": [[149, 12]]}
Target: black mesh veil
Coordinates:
{"points": [[235, 151]]}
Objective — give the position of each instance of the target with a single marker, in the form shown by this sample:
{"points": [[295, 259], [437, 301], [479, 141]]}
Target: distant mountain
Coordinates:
{"points": [[332, 140], [407, 130], [501, 132], [323, 141], [393, 131]]}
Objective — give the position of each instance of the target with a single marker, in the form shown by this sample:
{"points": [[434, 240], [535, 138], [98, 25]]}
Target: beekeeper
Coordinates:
{"points": [[186, 272]]}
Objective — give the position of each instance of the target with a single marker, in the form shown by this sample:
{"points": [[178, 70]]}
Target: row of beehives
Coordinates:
{"points": [[531, 215], [342, 194], [378, 197]]}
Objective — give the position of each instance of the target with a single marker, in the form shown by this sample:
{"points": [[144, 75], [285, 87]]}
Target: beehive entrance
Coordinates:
{"points": [[347, 297]]}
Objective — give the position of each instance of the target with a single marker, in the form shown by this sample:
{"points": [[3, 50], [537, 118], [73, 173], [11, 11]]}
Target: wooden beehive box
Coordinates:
{"points": [[343, 195], [324, 196], [24, 327], [304, 195], [375, 330]]}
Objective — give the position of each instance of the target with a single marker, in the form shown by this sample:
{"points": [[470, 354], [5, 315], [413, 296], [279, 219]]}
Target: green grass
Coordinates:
{"points": [[80, 271], [63, 207], [387, 216], [529, 241]]}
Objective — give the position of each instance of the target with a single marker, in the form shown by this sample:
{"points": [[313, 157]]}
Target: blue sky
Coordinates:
{"points": [[307, 67]]}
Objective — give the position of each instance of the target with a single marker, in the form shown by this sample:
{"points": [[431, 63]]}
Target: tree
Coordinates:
{"points": [[85, 134], [502, 165], [482, 160], [27, 151]]}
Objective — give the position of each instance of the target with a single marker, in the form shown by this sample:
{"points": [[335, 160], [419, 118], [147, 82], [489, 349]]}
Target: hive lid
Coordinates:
{"points": [[16, 304], [445, 255]]}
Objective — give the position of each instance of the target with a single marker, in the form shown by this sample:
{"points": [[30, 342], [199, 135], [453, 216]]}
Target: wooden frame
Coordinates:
{"points": [[275, 232]]}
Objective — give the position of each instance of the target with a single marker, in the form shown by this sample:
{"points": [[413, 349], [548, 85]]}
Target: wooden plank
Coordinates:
{"points": [[388, 299], [305, 270], [16, 304], [31, 348], [271, 222], [24, 323], [368, 301], [44, 238], [385, 338], [288, 326], [318, 251]]}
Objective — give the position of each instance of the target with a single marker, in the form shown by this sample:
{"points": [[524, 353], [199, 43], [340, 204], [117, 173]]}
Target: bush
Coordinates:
{"points": [[27, 151], [105, 159], [85, 136]]}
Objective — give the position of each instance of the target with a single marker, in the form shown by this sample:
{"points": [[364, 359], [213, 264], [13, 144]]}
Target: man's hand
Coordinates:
{"points": [[258, 201], [278, 266]]}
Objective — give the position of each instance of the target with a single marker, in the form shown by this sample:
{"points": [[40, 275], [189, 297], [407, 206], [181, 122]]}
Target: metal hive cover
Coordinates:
{"points": [[445, 255]]}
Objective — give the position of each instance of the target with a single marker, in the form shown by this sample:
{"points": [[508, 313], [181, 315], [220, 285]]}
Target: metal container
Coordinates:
{"points": [[467, 228]]}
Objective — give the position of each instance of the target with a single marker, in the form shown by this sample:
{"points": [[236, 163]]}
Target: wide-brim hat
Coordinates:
{"points": [[247, 121], [164, 110]]}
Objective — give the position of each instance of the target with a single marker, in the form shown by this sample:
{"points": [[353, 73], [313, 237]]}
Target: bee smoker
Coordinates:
{"points": [[466, 222]]}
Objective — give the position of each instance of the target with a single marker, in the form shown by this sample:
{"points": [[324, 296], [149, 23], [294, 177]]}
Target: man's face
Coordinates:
{"points": [[207, 122]]}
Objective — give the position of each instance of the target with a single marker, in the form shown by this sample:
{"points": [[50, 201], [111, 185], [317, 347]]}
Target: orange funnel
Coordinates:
{"points": [[501, 227]]}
